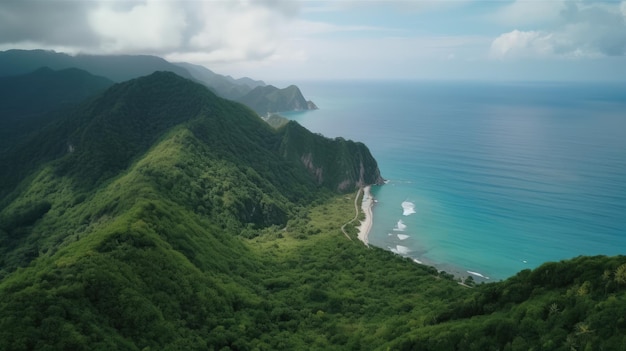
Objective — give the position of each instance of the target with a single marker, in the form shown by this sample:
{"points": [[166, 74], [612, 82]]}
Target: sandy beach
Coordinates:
{"points": [[366, 224]]}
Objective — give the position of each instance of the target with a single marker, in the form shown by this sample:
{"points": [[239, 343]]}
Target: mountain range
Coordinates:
{"points": [[119, 68], [151, 213]]}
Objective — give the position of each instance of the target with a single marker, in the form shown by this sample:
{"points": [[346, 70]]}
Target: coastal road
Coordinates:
{"points": [[356, 215]]}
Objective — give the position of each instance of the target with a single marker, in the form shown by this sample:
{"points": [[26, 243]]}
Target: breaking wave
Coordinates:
{"points": [[400, 226], [400, 250], [408, 208], [477, 274]]}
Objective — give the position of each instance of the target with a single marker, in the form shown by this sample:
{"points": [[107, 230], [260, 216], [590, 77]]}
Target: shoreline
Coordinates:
{"points": [[367, 203], [459, 273], [366, 225]]}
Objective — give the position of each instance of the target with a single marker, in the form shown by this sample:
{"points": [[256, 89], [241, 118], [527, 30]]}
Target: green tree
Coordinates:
{"points": [[620, 274]]}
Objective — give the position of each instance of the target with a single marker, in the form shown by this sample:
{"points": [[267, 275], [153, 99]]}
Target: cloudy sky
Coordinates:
{"points": [[363, 39]]}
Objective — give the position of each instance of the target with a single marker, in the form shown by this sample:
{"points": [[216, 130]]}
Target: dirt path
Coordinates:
{"points": [[356, 215]]}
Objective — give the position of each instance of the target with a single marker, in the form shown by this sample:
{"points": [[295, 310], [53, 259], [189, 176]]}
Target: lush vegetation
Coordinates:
{"points": [[120, 68], [28, 101], [181, 221]]}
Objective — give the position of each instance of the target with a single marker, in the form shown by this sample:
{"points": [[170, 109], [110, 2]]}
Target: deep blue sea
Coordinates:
{"points": [[487, 178]]}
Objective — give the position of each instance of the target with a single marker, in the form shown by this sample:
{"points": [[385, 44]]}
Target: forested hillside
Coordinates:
{"points": [[29, 101], [119, 68], [159, 216]]}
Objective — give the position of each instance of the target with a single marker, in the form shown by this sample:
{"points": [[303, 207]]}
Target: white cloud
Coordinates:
{"points": [[529, 12], [584, 30], [403, 5], [364, 57], [153, 25], [237, 31], [217, 30], [522, 44], [305, 28]]}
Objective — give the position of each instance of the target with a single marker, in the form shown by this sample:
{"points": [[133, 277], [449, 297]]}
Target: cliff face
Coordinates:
{"points": [[339, 164]]}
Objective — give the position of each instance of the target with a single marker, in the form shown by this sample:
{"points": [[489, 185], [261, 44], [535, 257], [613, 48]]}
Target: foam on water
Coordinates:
{"points": [[403, 236], [484, 171], [477, 274], [402, 250], [408, 208], [400, 226]]}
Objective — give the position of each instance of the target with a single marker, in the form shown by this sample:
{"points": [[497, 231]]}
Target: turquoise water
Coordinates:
{"points": [[489, 178]]}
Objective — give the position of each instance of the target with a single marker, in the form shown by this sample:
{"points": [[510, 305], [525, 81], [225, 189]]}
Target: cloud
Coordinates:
{"points": [[586, 29], [528, 12], [216, 30], [46, 23], [404, 5], [522, 44], [304, 28], [155, 25], [239, 30]]}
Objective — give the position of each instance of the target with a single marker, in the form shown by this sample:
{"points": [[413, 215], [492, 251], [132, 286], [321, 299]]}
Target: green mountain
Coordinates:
{"points": [[124, 67], [105, 136], [28, 100], [269, 99], [260, 97], [115, 67], [167, 218]]}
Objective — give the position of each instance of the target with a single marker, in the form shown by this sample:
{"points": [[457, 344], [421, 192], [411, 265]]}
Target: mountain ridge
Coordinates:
{"points": [[103, 136], [28, 100], [124, 67], [224, 86], [158, 215]]}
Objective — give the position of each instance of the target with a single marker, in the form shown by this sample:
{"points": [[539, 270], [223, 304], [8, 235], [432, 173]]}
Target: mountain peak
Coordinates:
{"points": [[269, 99]]}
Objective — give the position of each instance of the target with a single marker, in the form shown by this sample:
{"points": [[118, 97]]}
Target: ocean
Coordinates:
{"points": [[486, 179]]}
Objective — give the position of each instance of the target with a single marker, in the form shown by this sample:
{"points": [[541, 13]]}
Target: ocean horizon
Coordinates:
{"points": [[486, 179]]}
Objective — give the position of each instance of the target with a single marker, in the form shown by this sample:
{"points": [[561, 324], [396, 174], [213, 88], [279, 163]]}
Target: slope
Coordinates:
{"points": [[106, 135], [208, 231], [339, 164], [26, 101]]}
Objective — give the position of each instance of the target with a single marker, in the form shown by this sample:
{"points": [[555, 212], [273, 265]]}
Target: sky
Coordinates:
{"points": [[351, 39]]}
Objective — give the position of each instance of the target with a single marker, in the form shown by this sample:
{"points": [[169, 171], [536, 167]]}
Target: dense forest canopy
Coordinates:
{"points": [[157, 215]]}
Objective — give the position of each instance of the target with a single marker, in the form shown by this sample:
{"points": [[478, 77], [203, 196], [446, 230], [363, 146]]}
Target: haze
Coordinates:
{"points": [[294, 40]]}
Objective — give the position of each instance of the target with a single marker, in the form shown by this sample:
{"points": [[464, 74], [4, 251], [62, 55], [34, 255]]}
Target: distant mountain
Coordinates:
{"points": [[115, 67], [124, 67], [28, 100], [269, 99], [263, 99], [224, 86]]}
